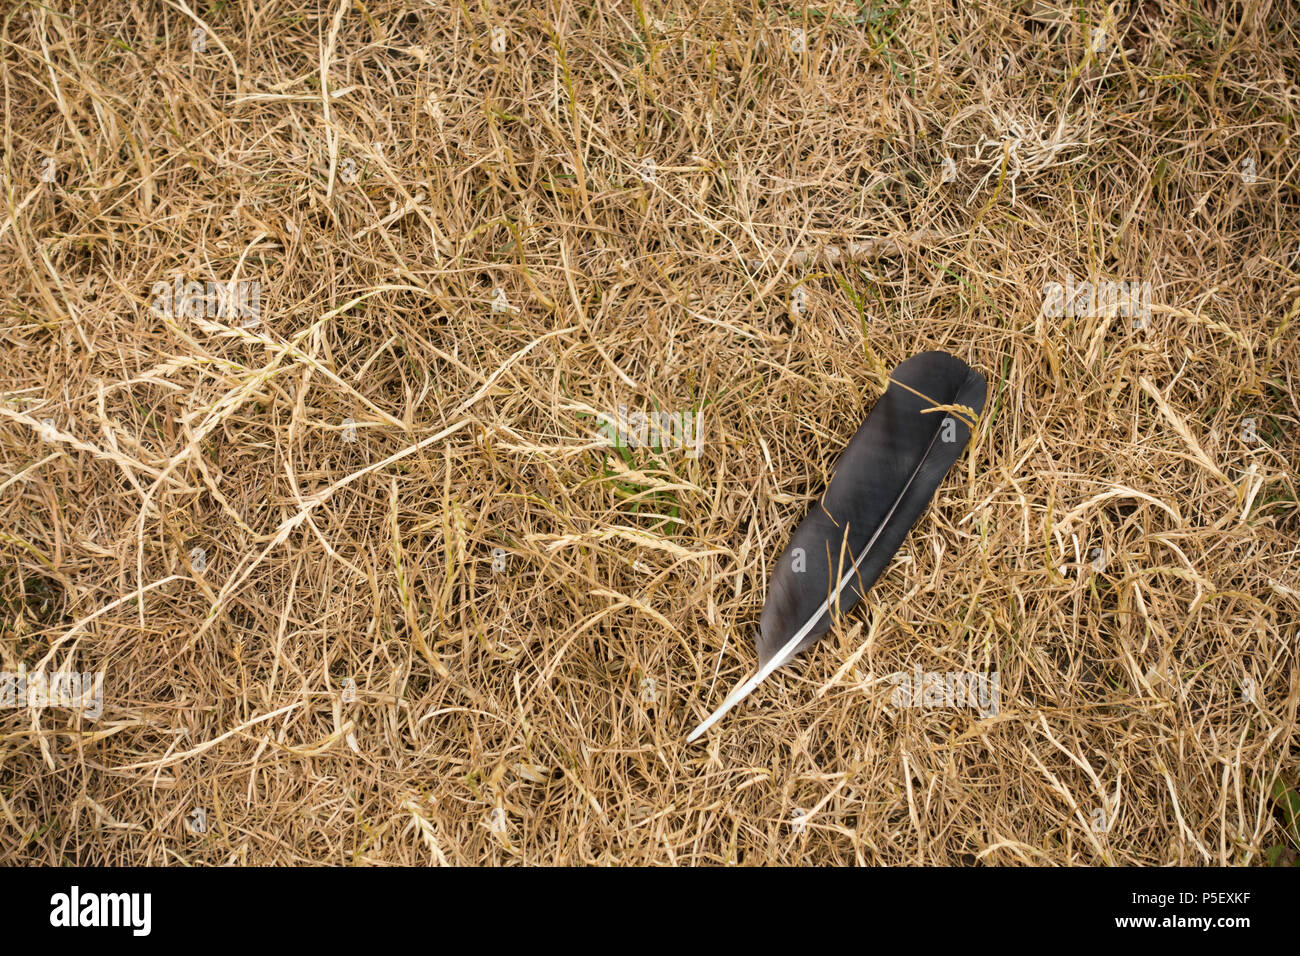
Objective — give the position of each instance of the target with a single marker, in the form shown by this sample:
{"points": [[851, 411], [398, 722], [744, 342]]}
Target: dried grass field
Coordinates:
{"points": [[367, 582]]}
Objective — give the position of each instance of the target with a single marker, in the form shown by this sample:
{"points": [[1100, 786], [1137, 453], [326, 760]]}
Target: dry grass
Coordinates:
{"points": [[1126, 692]]}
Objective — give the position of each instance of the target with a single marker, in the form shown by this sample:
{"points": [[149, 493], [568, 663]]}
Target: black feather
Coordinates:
{"points": [[893, 463], [882, 482]]}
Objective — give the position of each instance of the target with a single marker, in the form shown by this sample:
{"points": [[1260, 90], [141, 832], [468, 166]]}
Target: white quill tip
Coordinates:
{"points": [[744, 690], [734, 698]]}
